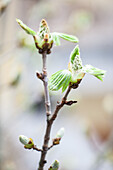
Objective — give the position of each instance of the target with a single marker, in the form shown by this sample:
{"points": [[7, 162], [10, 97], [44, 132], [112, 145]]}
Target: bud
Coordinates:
{"points": [[28, 142], [76, 62], [60, 133], [43, 28], [43, 23], [54, 166], [46, 37], [58, 136]]}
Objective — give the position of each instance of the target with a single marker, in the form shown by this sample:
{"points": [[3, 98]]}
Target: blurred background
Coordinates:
{"points": [[88, 140]]}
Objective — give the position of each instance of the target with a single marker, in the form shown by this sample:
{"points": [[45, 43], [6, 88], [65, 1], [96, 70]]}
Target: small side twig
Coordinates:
{"points": [[69, 103], [37, 149], [34, 148], [51, 146], [60, 105]]}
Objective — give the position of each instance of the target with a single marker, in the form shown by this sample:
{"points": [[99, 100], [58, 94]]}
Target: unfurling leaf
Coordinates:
{"points": [[76, 61], [67, 37], [56, 39], [58, 136], [43, 29], [54, 166], [74, 53], [60, 79], [28, 142], [94, 71], [26, 28], [60, 133]]}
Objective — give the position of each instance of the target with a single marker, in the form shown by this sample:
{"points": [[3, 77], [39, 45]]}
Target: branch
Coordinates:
{"points": [[45, 81], [60, 105], [45, 147], [43, 77], [51, 119], [37, 149], [51, 146], [34, 148]]}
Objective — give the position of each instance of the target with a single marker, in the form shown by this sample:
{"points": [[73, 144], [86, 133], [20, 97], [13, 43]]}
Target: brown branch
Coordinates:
{"points": [[37, 149], [51, 146], [45, 147], [45, 81], [34, 148], [60, 105], [48, 112], [51, 119]]}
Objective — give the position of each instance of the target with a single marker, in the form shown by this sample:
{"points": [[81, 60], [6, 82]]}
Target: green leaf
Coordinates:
{"points": [[26, 28], [54, 166], [74, 53], [60, 79], [76, 62], [94, 71], [56, 39], [67, 37]]}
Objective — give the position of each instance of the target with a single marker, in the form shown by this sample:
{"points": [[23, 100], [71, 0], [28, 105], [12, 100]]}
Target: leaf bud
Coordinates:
{"points": [[54, 166], [28, 142], [58, 136]]}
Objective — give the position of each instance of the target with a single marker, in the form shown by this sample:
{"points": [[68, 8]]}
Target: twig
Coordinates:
{"points": [[50, 146], [51, 119], [48, 112], [34, 148], [45, 81], [60, 105], [37, 149], [48, 130]]}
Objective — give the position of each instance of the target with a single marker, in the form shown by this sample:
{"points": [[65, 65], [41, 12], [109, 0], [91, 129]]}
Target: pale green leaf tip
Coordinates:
{"points": [[18, 20], [60, 133], [54, 166]]}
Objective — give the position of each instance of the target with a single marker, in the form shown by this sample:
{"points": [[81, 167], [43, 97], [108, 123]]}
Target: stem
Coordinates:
{"points": [[37, 149], [45, 146], [45, 81], [48, 112], [50, 121], [59, 106]]}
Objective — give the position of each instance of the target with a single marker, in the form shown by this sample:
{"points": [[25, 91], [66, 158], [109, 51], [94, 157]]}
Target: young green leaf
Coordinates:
{"points": [[60, 79], [54, 166], [76, 62], [26, 28], [74, 53], [56, 39], [67, 37], [94, 71]]}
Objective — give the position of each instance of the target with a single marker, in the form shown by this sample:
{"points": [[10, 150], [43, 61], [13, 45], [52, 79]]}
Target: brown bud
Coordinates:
{"points": [[46, 37], [44, 23], [56, 141]]}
